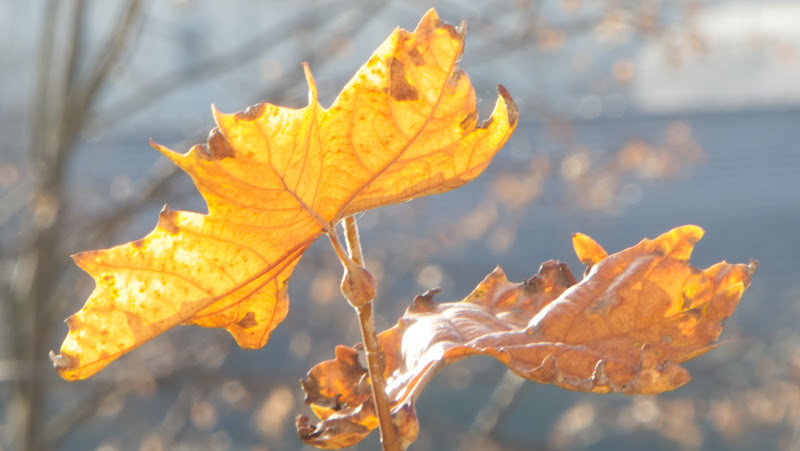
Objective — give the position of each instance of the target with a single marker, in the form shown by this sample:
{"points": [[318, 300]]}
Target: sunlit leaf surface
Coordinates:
{"points": [[275, 179]]}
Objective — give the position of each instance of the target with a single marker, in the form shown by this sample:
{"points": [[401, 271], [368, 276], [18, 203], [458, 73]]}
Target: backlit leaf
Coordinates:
{"points": [[275, 179], [625, 327]]}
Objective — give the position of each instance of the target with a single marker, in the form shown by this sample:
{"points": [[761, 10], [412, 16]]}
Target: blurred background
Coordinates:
{"points": [[636, 116]]}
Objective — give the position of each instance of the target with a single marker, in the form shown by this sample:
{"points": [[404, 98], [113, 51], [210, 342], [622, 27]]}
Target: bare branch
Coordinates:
{"points": [[39, 124], [80, 98], [75, 47], [205, 69]]}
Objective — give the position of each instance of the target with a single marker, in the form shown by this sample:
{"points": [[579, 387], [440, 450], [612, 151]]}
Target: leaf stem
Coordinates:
{"points": [[366, 320], [375, 366], [338, 248], [353, 240]]}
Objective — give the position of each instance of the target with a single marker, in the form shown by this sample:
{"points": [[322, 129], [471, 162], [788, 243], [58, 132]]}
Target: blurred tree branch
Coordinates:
{"points": [[54, 129], [206, 69]]}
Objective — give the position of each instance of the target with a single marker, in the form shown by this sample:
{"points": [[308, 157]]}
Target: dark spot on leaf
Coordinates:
{"points": [[252, 112], [511, 107], [687, 302], [399, 88], [248, 321], [565, 277], [602, 306], [347, 355], [469, 122], [485, 124], [337, 402], [73, 322], [416, 58], [455, 33], [696, 313], [455, 78], [305, 430], [138, 243], [218, 146], [311, 389], [141, 331], [402, 37], [424, 302], [552, 274], [166, 220], [65, 361]]}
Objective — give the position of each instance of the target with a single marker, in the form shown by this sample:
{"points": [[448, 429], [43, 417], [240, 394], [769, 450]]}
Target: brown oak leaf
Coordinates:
{"points": [[625, 327]]}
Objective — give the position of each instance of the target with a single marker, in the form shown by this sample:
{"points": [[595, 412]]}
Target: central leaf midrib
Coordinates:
{"points": [[408, 145], [313, 105]]}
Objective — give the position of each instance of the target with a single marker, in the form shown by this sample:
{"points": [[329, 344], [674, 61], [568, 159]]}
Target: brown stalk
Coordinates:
{"points": [[353, 263]]}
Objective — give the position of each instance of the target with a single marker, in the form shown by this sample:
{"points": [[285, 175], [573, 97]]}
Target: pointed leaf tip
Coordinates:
{"points": [[60, 361], [312, 85], [511, 107], [587, 250]]}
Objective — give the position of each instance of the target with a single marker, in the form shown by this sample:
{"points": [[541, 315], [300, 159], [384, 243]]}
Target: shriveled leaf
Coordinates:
{"points": [[275, 179], [625, 327]]}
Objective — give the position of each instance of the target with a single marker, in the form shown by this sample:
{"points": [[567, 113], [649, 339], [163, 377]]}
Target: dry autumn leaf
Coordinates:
{"points": [[625, 327], [275, 179]]}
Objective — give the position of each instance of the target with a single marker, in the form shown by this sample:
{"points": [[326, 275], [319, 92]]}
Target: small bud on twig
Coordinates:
{"points": [[358, 285]]}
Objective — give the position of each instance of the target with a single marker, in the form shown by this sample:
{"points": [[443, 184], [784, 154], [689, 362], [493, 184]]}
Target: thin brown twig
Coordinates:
{"points": [[75, 48], [375, 366], [366, 321], [56, 122], [353, 240], [80, 98], [110, 55], [26, 405], [40, 126]]}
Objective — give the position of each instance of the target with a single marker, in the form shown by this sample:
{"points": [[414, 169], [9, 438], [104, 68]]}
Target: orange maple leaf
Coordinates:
{"points": [[624, 328], [275, 179]]}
